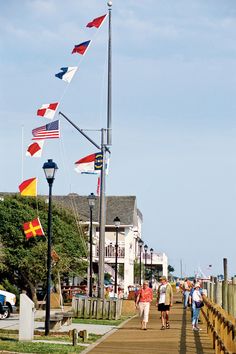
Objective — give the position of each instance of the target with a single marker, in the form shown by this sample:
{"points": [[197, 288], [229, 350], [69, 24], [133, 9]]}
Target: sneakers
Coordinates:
{"points": [[197, 329]]}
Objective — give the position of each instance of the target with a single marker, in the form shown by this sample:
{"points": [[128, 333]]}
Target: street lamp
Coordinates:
{"points": [[49, 168], [145, 250], [140, 243], [151, 252], [117, 225], [91, 201]]}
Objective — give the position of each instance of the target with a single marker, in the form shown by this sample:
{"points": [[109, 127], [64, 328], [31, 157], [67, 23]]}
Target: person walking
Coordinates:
{"points": [[164, 301], [143, 300], [196, 302], [186, 291]]}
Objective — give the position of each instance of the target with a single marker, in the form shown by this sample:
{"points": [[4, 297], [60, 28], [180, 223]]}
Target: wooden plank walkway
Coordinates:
{"points": [[179, 339]]}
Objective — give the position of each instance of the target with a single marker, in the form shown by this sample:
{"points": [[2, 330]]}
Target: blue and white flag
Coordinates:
{"points": [[67, 73]]}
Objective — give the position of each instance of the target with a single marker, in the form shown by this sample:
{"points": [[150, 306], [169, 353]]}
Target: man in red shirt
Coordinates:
{"points": [[144, 298]]}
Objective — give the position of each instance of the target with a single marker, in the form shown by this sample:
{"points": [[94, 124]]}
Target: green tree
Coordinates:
{"points": [[23, 262], [170, 269]]}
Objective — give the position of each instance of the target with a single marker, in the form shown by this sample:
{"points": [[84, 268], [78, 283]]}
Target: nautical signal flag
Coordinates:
{"points": [[91, 164], [29, 187], [67, 73], [81, 48], [97, 22], [47, 110], [33, 228], [48, 131], [35, 149]]}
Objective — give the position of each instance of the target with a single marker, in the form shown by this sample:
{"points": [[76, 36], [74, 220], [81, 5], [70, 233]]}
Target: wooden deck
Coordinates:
{"points": [[179, 339]]}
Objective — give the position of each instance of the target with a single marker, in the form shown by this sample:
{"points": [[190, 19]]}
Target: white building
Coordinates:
{"points": [[130, 231]]}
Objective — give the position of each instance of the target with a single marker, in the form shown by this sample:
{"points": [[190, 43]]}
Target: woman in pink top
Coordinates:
{"points": [[143, 300]]}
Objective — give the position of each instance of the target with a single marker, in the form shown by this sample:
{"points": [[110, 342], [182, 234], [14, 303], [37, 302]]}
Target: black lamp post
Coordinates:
{"points": [[117, 225], [140, 243], [151, 252], [145, 250], [91, 201], [50, 168]]}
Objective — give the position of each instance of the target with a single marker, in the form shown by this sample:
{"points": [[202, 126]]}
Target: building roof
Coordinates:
{"points": [[124, 207]]}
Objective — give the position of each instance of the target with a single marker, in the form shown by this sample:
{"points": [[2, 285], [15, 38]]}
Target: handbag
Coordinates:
{"points": [[199, 304]]}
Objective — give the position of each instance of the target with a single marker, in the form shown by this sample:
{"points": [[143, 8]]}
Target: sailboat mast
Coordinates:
{"points": [[109, 83]]}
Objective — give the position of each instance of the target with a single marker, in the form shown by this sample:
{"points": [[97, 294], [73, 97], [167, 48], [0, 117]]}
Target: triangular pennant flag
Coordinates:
{"points": [[97, 22], [35, 149], [33, 228], [29, 187], [67, 73], [81, 48]]}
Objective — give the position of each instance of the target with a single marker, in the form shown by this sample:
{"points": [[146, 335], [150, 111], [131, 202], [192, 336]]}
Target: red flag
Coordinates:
{"points": [[35, 149], [33, 228], [81, 48], [97, 22]]}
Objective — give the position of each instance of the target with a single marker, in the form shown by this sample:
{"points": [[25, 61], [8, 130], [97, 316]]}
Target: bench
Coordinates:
{"points": [[41, 305], [55, 322], [66, 317]]}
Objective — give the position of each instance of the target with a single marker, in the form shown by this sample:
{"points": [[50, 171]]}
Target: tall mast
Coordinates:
{"points": [[109, 86], [102, 220], [102, 216]]}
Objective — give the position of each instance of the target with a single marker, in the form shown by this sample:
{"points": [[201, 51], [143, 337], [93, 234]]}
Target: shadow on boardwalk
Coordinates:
{"points": [[179, 339]]}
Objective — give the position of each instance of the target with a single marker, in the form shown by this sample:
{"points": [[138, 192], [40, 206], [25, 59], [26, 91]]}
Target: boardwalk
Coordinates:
{"points": [[179, 339]]}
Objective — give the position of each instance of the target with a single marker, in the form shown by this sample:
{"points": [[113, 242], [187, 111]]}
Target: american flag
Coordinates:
{"points": [[48, 131]]}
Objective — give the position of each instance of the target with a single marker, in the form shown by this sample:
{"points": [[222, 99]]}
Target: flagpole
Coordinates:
{"points": [[102, 220], [22, 152], [109, 83]]}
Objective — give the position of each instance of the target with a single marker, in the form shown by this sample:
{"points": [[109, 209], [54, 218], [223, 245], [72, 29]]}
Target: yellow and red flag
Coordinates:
{"points": [[29, 187], [33, 228]]}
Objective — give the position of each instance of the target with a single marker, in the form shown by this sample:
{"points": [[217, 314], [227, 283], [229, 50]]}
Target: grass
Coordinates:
{"points": [[100, 322], [28, 347], [10, 342], [56, 337]]}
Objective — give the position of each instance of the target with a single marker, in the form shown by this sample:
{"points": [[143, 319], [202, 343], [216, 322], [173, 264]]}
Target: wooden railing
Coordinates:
{"points": [[220, 327], [96, 308]]}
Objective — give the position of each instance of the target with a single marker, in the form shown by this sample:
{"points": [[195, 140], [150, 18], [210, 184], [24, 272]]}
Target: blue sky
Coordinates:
{"points": [[174, 109]]}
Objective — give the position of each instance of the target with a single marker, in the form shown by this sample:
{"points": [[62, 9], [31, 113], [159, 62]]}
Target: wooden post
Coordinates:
{"points": [[74, 337], [215, 289], [230, 299], [234, 296], [83, 334], [212, 289], [225, 286], [98, 309], [218, 293]]}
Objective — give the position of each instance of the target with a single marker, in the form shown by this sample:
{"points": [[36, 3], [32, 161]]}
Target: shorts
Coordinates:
{"points": [[163, 307]]}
